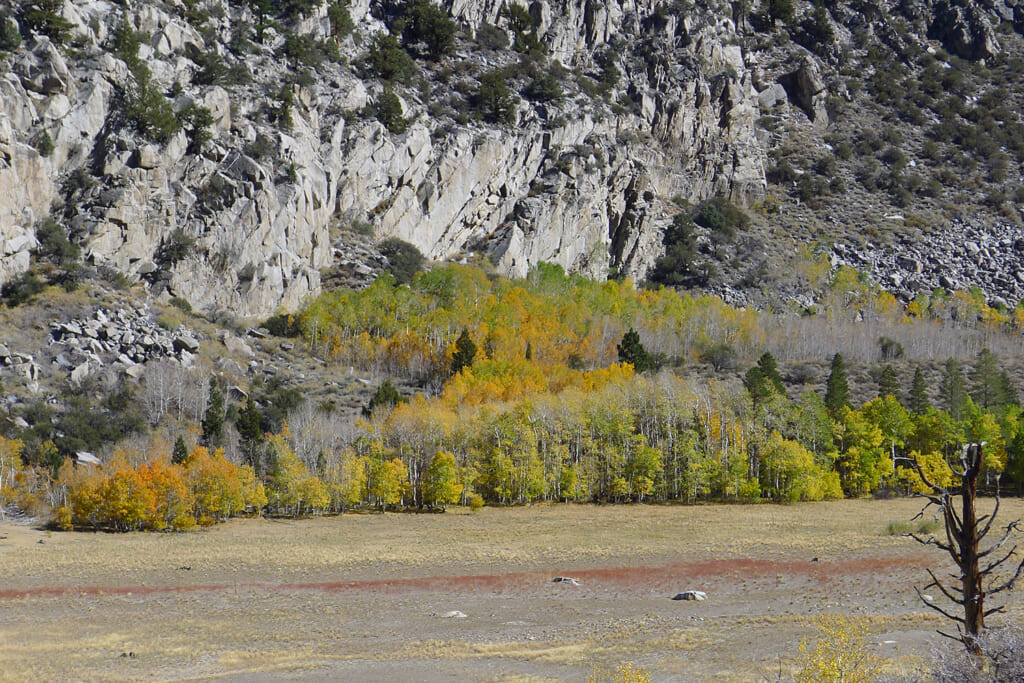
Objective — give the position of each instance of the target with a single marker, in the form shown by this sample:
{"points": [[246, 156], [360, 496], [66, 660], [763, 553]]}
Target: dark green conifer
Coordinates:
{"points": [[632, 351], [213, 418], [180, 453], [953, 390], [888, 382], [465, 352], [919, 403], [837, 389]]}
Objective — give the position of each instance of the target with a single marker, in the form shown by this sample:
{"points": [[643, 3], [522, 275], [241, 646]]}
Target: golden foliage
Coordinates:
{"points": [[841, 653]]}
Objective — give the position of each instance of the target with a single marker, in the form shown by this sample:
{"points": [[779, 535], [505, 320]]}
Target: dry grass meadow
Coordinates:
{"points": [[368, 596]]}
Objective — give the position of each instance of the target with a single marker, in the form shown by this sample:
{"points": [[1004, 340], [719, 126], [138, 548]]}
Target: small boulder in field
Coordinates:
{"points": [[691, 595]]}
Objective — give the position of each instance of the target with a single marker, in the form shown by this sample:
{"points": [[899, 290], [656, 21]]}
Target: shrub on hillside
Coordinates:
{"points": [[404, 259]]}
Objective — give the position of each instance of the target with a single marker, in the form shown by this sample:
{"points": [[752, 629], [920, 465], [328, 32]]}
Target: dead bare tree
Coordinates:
{"points": [[964, 533]]}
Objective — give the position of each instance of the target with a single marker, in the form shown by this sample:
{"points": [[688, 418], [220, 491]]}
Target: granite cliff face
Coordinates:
{"points": [[569, 181], [586, 177]]}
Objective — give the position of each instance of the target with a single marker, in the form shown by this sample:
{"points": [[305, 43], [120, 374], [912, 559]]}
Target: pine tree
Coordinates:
{"points": [[888, 382], [919, 403], [465, 352], [837, 389], [757, 385], [986, 381], [213, 418], [180, 453], [771, 372], [953, 389], [386, 395], [250, 435], [632, 351], [1007, 390]]}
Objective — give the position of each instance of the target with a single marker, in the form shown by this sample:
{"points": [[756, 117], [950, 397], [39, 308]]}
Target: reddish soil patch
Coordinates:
{"points": [[612, 577]]}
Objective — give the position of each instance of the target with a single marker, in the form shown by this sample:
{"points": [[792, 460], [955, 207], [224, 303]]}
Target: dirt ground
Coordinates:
{"points": [[466, 596]]}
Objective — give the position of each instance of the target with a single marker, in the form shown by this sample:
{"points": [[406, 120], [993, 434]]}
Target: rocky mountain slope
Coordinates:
{"points": [[226, 153]]}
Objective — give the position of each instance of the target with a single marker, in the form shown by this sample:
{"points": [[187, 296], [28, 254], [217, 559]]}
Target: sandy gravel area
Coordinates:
{"points": [[464, 596]]}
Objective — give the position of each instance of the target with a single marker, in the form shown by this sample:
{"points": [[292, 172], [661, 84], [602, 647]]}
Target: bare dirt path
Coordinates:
{"points": [[374, 597]]}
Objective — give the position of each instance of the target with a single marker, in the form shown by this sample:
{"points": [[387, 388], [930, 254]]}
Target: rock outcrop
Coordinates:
{"points": [[238, 210], [123, 339], [965, 256], [574, 180]]}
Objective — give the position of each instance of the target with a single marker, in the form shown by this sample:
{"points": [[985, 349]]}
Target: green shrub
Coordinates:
{"points": [[493, 101], [544, 88], [386, 396], [678, 267], [144, 106], [10, 38], [610, 74], [125, 41], [302, 50], [341, 21], [722, 218], [491, 37], [43, 16], [779, 10], [178, 246], [404, 259], [388, 60], [197, 120], [21, 289], [43, 143], [296, 8], [54, 245], [239, 42], [282, 325], [389, 112], [181, 304], [212, 69], [426, 23], [283, 111]]}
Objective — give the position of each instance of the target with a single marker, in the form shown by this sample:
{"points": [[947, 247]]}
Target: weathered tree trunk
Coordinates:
{"points": [[974, 596]]}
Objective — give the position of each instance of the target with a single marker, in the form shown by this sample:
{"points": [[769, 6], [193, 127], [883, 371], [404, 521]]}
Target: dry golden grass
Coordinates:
{"points": [[361, 596]]}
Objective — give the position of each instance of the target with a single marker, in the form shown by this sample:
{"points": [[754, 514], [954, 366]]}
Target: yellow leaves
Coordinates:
{"points": [[10, 466], [293, 488], [624, 673], [156, 494], [935, 469], [841, 653], [441, 480], [389, 481]]}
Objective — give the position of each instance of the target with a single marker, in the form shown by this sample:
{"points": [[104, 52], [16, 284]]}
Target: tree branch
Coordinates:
{"points": [[991, 549], [1008, 584], [991, 518], [938, 584]]}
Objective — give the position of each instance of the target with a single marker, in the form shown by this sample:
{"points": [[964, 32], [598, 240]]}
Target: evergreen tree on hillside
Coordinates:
{"points": [[953, 390], [918, 400], [633, 352], [386, 395], [180, 453], [763, 380], [250, 435], [986, 381], [837, 389], [757, 385], [888, 382], [465, 352], [770, 370], [213, 418]]}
